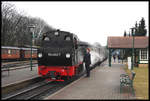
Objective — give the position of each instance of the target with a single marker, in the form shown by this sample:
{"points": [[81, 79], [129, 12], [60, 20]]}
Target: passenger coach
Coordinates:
{"points": [[17, 53]]}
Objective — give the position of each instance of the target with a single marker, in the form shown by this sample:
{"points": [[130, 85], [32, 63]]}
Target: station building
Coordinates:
{"points": [[141, 48]]}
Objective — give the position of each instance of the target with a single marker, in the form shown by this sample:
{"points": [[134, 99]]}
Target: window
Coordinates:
{"points": [[56, 33], [27, 52], [3, 51], [46, 39], [12, 52], [9, 51], [15, 51], [67, 38], [34, 51], [144, 54], [6, 51]]}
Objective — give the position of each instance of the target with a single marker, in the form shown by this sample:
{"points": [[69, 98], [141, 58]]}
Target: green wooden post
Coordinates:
{"points": [[109, 57], [138, 57], [132, 50], [32, 37], [31, 52]]}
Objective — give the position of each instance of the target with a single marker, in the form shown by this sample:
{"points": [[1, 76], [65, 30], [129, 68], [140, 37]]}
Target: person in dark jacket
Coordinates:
{"points": [[87, 60]]}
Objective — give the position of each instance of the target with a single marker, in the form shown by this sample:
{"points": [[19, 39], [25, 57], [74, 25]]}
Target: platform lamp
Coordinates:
{"points": [[31, 27], [132, 31]]}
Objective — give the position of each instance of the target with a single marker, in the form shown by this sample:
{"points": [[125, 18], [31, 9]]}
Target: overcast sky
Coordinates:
{"points": [[90, 21]]}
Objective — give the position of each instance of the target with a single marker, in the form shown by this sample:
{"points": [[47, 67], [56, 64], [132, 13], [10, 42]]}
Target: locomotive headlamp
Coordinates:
{"points": [[40, 55], [67, 55], [56, 33]]}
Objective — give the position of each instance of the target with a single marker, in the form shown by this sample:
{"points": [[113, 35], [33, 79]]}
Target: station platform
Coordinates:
{"points": [[18, 75], [103, 83]]}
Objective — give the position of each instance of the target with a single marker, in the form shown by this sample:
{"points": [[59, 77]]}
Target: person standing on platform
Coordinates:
{"points": [[87, 60]]}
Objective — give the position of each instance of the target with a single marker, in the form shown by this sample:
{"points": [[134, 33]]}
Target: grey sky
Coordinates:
{"points": [[90, 21]]}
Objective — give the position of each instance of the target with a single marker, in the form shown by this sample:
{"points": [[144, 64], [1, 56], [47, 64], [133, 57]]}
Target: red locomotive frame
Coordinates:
{"points": [[62, 71]]}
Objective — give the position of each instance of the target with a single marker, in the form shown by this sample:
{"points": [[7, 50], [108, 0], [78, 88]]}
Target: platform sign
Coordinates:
{"points": [[129, 62]]}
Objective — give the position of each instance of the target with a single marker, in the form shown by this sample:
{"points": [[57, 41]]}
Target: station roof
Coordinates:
{"points": [[126, 42]]}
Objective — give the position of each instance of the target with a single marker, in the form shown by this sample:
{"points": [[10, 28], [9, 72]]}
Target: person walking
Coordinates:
{"points": [[114, 56], [87, 60]]}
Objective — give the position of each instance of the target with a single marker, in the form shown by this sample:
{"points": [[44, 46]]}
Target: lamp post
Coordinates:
{"points": [[31, 27], [132, 31]]}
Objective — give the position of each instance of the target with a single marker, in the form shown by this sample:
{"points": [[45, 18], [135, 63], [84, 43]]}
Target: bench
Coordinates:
{"points": [[126, 80]]}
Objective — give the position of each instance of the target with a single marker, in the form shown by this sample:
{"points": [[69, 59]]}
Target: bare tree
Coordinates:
{"points": [[10, 21], [15, 31], [41, 27]]}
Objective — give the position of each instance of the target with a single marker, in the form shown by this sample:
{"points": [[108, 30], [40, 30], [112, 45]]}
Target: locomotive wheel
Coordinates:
{"points": [[67, 78]]}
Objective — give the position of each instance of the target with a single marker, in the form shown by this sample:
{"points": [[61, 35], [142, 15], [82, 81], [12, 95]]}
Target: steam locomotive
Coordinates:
{"points": [[60, 56]]}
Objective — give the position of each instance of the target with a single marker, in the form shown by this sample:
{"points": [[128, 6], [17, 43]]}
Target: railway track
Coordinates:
{"points": [[17, 62], [38, 90], [30, 92], [9, 67], [15, 68]]}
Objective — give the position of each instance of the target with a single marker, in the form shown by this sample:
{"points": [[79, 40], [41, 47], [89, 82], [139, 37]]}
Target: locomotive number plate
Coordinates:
{"points": [[54, 54]]}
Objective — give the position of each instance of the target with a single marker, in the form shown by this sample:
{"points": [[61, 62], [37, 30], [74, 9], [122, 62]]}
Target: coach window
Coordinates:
{"points": [[29, 52], [67, 38], [9, 51], [46, 39], [26, 52], [14, 51], [34, 51], [3, 51], [17, 51], [6, 51]]}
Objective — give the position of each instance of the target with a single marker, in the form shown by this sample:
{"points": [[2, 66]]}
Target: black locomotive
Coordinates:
{"points": [[60, 55]]}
